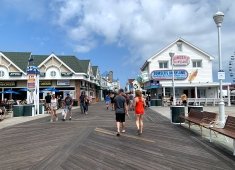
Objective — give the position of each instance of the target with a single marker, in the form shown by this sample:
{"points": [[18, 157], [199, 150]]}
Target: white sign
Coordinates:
{"points": [[63, 82], [221, 75]]}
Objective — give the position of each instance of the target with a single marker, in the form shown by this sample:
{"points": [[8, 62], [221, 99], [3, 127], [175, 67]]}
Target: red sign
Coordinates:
{"points": [[181, 60]]}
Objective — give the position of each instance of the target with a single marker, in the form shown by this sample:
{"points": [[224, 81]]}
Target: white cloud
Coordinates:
{"points": [[145, 26]]}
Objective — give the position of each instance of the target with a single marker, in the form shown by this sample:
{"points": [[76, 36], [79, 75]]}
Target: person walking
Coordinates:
{"points": [[139, 104], [68, 103], [53, 109], [48, 103], [82, 102], [107, 101], [87, 101], [120, 111]]}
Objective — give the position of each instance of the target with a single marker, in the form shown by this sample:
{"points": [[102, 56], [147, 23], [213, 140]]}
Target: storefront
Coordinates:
{"points": [[192, 76]]}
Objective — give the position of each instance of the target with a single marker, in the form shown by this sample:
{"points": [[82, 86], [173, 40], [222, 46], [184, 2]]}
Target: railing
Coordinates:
{"points": [[197, 101]]}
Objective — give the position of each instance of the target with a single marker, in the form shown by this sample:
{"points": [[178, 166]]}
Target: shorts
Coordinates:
{"points": [[67, 108], [53, 107], [107, 103], [120, 117], [48, 105]]}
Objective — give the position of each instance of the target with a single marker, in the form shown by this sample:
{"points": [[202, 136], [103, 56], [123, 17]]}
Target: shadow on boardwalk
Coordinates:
{"points": [[90, 142]]}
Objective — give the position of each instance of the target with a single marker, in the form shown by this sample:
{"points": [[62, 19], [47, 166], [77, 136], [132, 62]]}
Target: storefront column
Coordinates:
{"points": [[164, 91], [228, 94], [195, 92]]}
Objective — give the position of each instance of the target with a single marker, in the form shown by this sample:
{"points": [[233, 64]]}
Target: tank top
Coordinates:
{"points": [[139, 108]]}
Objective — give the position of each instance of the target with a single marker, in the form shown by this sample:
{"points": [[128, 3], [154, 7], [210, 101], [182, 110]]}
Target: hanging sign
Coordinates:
{"points": [[181, 60], [31, 82]]}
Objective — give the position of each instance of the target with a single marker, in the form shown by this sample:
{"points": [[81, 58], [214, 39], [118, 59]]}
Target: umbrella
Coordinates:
{"points": [[24, 89], [10, 92]]}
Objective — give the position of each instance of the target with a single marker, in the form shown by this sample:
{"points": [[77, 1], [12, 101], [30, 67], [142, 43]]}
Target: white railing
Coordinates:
{"points": [[205, 101]]}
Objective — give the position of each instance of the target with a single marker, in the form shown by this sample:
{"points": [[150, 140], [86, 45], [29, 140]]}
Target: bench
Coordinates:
{"points": [[200, 118], [228, 130]]}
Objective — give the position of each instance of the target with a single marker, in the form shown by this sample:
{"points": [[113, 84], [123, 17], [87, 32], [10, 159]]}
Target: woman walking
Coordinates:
{"points": [[54, 104], [139, 104], [107, 101]]}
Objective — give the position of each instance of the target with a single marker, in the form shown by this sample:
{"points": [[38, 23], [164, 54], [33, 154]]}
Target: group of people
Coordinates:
{"points": [[52, 104], [120, 104]]}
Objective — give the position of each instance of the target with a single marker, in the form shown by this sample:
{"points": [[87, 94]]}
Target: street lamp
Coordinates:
{"points": [[218, 18], [173, 77]]}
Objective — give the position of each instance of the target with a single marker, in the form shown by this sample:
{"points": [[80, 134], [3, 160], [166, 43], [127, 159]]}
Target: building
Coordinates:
{"points": [[65, 73], [192, 73]]}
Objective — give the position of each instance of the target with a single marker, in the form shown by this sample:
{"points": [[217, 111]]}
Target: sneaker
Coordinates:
{"points": [[86, 113], [118, 134], [70, 118], [63, 119], [138, 132], [123, 131], [51, 120]]}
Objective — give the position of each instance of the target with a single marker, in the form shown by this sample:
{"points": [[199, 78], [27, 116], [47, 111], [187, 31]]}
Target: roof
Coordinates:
{"points": [[20, 59], [95, 70], [84, 64], [174, 42]]}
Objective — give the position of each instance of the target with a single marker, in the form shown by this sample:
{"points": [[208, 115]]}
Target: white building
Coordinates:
{"points": [[192, 73]]}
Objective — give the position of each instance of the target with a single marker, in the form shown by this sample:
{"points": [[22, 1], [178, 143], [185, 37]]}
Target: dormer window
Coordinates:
{"points": [[53, 73], [2, 73]]}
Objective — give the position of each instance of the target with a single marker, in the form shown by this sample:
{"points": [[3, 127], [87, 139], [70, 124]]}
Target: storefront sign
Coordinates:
{"points": [[167, 74], [31, 81], [181, 60], [63, 82], [66, 74], [45, 83], [15, 73], [7, 83]]}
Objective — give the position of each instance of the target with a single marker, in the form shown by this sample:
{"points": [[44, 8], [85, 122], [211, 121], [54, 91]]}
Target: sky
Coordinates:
{"points": [[116, 35]]}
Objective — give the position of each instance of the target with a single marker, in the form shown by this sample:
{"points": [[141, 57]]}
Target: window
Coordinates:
{"points": [[53, 73], [163, 64], [197, 63], [2, 73]]}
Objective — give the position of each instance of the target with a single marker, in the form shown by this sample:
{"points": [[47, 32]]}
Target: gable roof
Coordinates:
{"points": [[84, 64], [95, 70], [174, 42], [20, 59]]}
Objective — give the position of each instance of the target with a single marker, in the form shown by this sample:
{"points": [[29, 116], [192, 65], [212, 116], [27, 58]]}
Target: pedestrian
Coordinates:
{"points": [[120, 111], [54, 104], [107, 101], [82, 102], [112, 96], [60, 101], [184, 99], [139, 104], [131, 101], [87, 101], [48, 103], [68, 103], [148, 99]]}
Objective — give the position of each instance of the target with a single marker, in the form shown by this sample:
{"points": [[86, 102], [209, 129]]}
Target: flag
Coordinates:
{"points": [[30, 59]]}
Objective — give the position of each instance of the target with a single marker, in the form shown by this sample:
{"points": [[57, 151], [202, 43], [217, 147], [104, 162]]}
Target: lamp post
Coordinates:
{"points": [[173, 77], [218, 18]]}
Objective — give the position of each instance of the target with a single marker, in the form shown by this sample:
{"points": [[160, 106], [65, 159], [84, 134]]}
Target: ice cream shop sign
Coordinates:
{"points": [[181, 60]]}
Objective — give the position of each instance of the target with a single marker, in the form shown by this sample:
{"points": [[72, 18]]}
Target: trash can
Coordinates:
{"points": [[198, 108], [176, 111], [29, 110], [18, 110], [156, 102], [41, 108], [75, 103]]}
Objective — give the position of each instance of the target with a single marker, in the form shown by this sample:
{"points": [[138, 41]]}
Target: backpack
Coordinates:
{"points": [[68, 101]]}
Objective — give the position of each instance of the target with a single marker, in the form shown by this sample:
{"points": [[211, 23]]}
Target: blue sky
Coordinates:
{"points": [[117, 35]]}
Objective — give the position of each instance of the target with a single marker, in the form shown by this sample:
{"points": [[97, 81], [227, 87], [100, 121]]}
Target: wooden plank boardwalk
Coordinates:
{"points": [[90, 142]]}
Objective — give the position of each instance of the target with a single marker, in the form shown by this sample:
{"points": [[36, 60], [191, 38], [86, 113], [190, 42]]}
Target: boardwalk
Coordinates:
{"points": [[90, 142]]}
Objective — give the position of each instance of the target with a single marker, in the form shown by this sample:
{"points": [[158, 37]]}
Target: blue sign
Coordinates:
{"points": [[167, 74]]}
